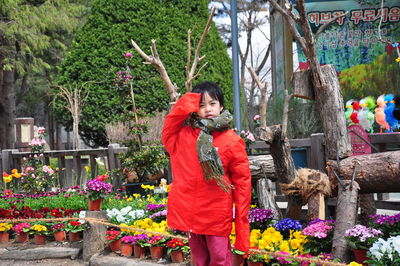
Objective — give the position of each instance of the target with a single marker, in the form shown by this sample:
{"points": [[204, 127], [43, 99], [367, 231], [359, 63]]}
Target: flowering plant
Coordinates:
{"points": [[74, 227], [4, 227], [57, 227], [128, 240], [125, 215], [385, 252], [177, 244], [140, 239], [153, 208], [156, 241], [255, 256], [260, 218], [361, 237], [247, 137], [159, 216], [319, 236], [388, 224], [285, 225], [97, 188], [21, 228], [113, 235], [38, 229]]}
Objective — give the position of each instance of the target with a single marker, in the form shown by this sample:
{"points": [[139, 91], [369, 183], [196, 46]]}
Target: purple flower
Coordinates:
{"points": [[287, 224], [152, 208], [128, 239], [97, 189]]}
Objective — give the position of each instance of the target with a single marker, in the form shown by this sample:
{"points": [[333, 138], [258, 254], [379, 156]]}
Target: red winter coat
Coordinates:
{"points": [[196, 205]]}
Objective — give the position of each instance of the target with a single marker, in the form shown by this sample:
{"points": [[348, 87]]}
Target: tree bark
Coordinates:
{"points": [[262, 166], [367, 207], [266, 197], [346, 215], [375, 173], [284, 165], [7, 109]]}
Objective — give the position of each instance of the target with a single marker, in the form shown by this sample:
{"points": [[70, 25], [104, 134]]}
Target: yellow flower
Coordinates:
{"points": [[129, 199], [295, 243], [353, 263], [39, 228], [5, 227], [398, 59], [136, 195], [284, 246], [253, 206], [7, 178], [14, 173], [87, 168], [126, 230]]}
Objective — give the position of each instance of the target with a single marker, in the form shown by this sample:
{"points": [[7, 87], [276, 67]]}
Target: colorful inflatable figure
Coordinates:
{"points": [[349, 111], [365, 115], [354, 114], [392, 121], [380, 116]]}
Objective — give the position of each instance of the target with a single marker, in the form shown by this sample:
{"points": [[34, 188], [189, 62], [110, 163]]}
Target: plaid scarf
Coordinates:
{"points": [[208, 156]]}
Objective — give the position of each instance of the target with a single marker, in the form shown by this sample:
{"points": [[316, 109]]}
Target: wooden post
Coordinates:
{"points": [[95, 237], [266, 197], [317, 152], [111, 156], [6, 159], [61, 174], [346, 216], [93, 166], [77, 168]]}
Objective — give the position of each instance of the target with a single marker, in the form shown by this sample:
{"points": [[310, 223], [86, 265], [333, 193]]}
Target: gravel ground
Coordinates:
{"points": [[44, 262]]}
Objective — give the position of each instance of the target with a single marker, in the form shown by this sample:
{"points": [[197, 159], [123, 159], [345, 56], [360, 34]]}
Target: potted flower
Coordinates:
{"points": [[238, 257], [39, 232], [285, 225], [58, 231], [74, 229], [260, 218], [176, 249], [4, 234], [97, 190], [254, 258], [388, 224], [113, 238], [22, 230], [319, 236], [385, 252], [360, 238], [126, 245], [139, 245], [156, 244]]}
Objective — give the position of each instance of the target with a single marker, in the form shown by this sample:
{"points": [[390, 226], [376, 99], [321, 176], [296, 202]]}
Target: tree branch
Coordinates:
{"points": [[323, 27]]}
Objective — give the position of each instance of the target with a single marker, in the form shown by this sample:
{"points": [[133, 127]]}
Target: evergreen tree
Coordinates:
{"points": [[97, 56]]}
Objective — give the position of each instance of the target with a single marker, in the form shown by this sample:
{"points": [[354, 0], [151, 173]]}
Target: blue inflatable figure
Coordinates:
{"points": [[392, 121]]}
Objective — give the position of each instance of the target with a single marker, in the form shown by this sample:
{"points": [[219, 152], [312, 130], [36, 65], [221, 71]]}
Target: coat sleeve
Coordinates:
{"points": [[241, 178], [186, 105]]}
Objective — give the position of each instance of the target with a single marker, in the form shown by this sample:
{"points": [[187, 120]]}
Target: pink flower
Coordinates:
{"points": [[256, 117], [128, 55]]}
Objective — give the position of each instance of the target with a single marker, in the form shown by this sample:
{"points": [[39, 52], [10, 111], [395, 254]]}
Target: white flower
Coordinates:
{"points": [[126, 210], [120, 218], [82, 215]]}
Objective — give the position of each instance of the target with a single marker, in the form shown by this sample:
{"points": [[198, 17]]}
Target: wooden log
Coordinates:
{"points": [[95, 237], [266, 197], [262, 166], [377, 172], [346, 215], [284, 165], [330, 106], [302, 86], [367, 207]]}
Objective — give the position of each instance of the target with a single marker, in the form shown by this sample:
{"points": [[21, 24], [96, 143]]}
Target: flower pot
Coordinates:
{"points": [[73, 237], [4, 237], [156, 252], [126, 250], [177, 256], [139, 252], [94, 205], [60, 236], [22, 237], [39, 239], [257, 263], [360, 255], [115, 245], [237, 260]]}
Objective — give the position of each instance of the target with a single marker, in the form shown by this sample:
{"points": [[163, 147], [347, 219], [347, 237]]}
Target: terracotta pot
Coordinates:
{"points": [[60, 236], [156, 252], [73, 237], [360, 255], [139, 252], [177, 256], [39, 239], [237, 260], [115, 245], [257, 263], [94, 205], [22, 237], [4, 237], [126, 250]]}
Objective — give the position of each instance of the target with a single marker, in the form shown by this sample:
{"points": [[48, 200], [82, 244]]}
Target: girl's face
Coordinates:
{"points": [[209, 107]]}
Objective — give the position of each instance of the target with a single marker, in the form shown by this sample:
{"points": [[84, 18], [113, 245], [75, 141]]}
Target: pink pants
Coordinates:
{"points": [[210, 250]]}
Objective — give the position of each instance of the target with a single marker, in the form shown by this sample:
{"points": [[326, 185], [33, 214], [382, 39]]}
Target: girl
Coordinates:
{"points": [[210, 173]]}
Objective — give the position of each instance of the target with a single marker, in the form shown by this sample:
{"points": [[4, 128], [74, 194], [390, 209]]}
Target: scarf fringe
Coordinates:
{"points": [[212, 171]]}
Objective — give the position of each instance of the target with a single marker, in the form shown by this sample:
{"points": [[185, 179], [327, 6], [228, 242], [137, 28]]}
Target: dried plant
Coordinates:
{"points": [[156, 123], [118, 132]]}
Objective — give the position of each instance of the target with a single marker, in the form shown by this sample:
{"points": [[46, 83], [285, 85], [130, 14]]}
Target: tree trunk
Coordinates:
{"points": [[346, 215], [367, 207], [262, 166], [375, 173], [7, 109], [266, 197], [284, 165], [330, 106]]}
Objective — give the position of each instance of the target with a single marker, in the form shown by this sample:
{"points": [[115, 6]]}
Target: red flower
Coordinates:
{"points": [[102, 177], [8, 192], [75, 223]]}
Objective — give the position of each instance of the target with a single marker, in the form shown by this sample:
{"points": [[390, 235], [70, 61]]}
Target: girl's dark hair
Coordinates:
{"points": [[213, 90]]}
